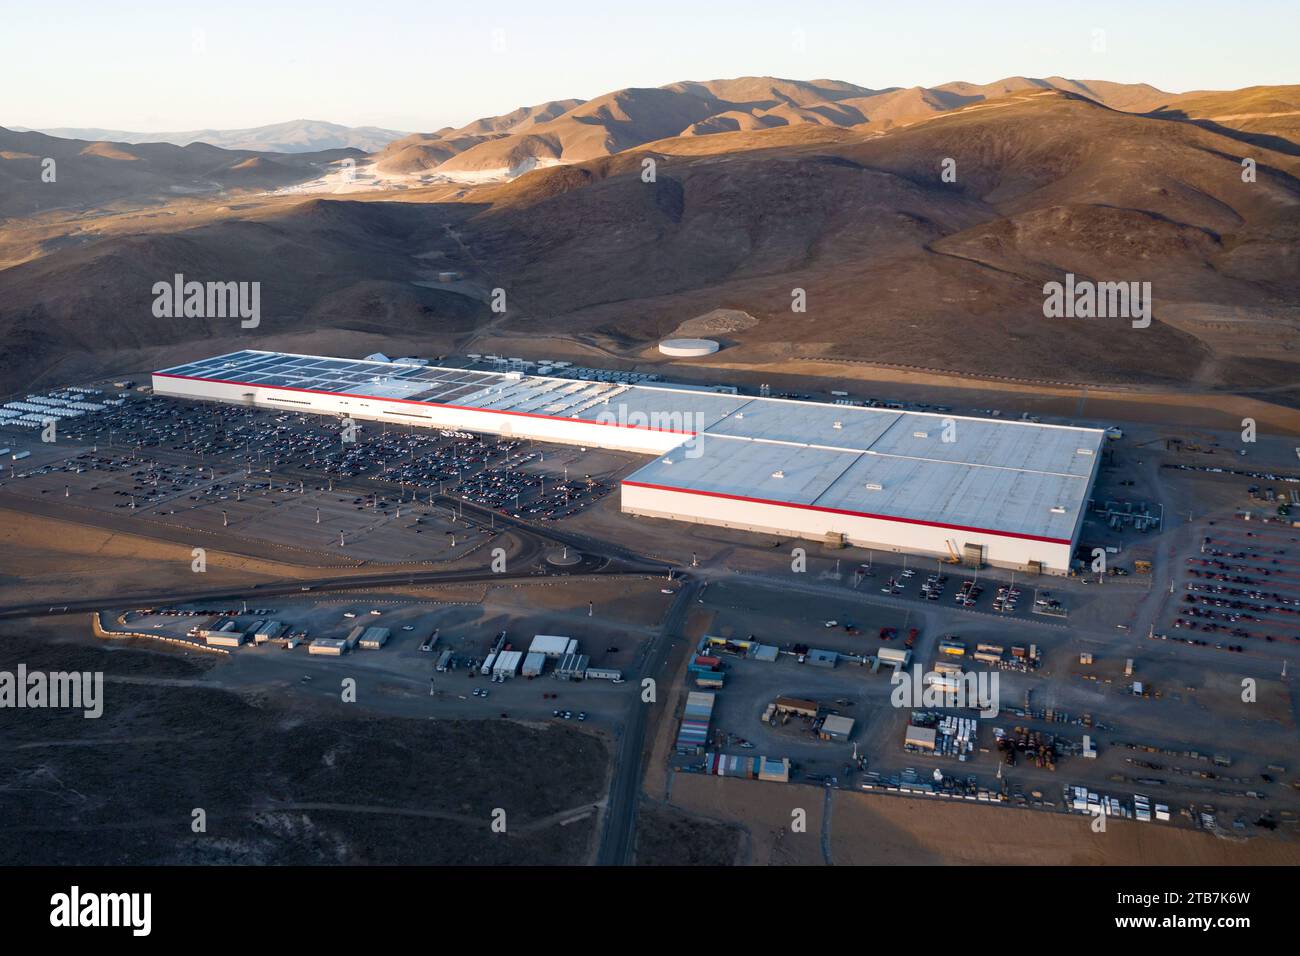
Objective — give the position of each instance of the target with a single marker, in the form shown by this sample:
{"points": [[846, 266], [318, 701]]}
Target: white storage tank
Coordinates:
{"points": [[688, 348]]}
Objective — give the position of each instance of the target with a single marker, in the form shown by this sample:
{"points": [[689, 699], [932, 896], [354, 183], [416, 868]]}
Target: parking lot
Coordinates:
{"points": [[292, 481], [1239, 590]]}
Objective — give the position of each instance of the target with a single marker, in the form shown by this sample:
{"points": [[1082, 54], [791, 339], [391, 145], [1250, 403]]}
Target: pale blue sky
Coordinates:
{"points": [[422, 65]]}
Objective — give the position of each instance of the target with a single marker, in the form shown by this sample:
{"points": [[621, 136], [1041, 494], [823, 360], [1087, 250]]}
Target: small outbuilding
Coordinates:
{"points": [[836, 727]]}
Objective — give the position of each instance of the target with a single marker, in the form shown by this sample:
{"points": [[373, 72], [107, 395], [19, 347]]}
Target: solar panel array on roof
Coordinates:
{"points": [[1015, 478]]}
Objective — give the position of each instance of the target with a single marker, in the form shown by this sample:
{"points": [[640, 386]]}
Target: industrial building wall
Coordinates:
{"points": [[999, 550], [813, 525], [566, 431]]}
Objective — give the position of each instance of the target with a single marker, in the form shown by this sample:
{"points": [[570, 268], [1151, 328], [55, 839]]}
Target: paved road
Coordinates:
{"points": [[625, 788]]}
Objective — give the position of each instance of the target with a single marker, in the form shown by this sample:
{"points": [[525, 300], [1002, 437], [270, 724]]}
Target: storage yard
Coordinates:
{"points": [[1029, 751]]}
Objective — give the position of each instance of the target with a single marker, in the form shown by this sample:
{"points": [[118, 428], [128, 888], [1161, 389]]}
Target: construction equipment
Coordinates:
{"points": [[953, 559]]}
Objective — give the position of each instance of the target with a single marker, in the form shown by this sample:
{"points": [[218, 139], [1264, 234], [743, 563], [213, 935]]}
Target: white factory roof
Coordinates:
{"points": [[1008, 477], [552, 645]]}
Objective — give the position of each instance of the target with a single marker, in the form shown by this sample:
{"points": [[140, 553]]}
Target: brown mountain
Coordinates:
{"points": [[88, 174], [423, 151], [1268, 116], [899, 266], [628, 118]]}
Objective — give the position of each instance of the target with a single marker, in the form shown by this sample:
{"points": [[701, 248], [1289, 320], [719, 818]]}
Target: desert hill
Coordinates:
{"points": [[91, 173], [294, 136], [625, 119], [899, 266]]}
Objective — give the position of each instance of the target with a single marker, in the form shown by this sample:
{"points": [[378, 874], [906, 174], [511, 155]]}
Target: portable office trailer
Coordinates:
{"points": [[507, 664]]}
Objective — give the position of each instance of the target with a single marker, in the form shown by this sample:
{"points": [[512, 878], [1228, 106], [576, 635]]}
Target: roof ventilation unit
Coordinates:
{"points": [[1058, 510], [778, 474], [875, 486]]}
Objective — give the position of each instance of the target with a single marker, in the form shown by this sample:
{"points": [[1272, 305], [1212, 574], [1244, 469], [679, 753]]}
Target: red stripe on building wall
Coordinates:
{"points": [[411, 401], [840, 511]]}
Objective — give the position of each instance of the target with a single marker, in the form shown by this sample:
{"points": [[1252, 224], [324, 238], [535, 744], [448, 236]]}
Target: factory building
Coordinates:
{"points": [[822, 658], [552, 646], [795, 705], [571, 667], [921, 738], [836, 727], [895, 656], [269, 631], [984, 491], [534, 664]]}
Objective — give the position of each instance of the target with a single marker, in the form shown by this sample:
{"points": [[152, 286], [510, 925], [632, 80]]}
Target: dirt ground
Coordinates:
{"points": [[45, 558], [764, 810], [875, 829], [669, 837]]}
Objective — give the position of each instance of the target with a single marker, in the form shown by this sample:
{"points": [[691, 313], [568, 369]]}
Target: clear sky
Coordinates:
{"points": [[418, 66]]}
